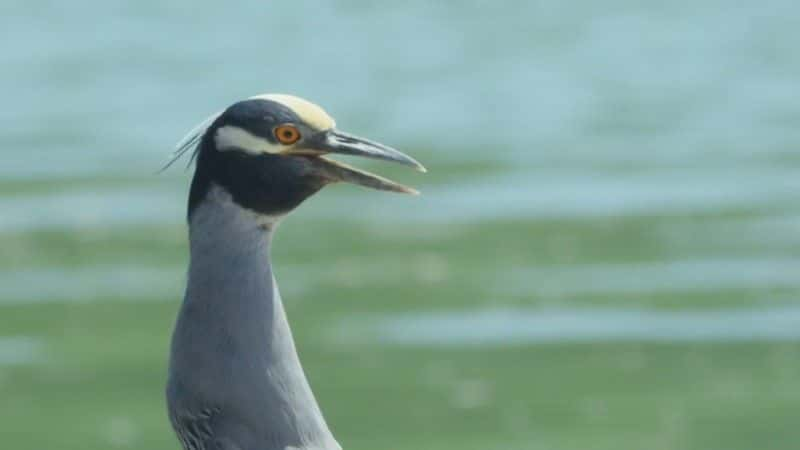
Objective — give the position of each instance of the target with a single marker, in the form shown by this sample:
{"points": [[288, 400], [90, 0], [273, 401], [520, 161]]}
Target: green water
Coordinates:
{"points": [[616, 156]]}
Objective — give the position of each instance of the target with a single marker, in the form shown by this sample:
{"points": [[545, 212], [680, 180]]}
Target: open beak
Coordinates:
{"points": [[334, 141]]}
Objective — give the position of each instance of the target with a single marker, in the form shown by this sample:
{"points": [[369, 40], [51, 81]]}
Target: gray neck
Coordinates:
{"points": [[233, 347]]}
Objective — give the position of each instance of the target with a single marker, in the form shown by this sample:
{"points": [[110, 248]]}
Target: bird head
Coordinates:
{"points": [[268, 152]]}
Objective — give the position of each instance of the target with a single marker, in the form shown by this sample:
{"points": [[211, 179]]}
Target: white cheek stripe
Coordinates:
{"points": [[232, 137]]}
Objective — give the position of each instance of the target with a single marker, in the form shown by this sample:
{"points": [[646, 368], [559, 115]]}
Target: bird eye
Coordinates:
{"points": [[286, 134]]}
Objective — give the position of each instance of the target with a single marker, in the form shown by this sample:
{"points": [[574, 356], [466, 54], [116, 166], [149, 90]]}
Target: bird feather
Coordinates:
{"points": [[190, 142]]}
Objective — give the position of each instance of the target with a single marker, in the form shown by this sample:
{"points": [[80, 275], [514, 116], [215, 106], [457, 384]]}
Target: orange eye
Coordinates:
{"points": [[286, 134]]}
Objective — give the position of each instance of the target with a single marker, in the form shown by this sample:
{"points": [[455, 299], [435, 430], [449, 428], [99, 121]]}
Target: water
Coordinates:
{"points": [[522, 82], [620, 173], [512, 195], [573, 118], [671, 277], [525, 327], [90, 283], [20, 350]]}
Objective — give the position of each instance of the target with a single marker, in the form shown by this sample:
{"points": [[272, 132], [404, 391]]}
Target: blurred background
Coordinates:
{"points": [[606, 254]]}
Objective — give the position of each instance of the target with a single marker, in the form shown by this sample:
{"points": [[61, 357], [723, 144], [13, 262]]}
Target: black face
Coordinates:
{"points": [[265, 183], [285, 162]]}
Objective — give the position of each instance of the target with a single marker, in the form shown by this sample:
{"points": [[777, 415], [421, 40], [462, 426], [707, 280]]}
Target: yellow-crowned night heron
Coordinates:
{"points": [[235, 381]]}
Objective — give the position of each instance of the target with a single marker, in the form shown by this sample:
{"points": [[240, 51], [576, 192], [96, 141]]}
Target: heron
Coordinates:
{"points": [[235, 381]]}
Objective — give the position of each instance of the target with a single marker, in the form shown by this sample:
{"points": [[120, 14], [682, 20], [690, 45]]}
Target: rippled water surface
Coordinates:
{"points": [[619, 179]]}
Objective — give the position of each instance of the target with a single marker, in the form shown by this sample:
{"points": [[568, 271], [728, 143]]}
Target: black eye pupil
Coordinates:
{"points": [[287, 135]]}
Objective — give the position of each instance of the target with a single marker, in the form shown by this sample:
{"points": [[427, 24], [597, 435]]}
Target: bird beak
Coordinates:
{"points": [[334, 141]]}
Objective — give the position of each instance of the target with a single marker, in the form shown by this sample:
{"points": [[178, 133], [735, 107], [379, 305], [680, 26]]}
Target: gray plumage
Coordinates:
{"points": [[235, 381]]}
